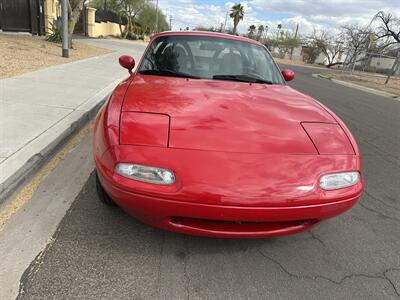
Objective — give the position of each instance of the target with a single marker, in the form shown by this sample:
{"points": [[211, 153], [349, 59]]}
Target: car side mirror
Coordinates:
{"points": [[127, 62], [288, 74]]}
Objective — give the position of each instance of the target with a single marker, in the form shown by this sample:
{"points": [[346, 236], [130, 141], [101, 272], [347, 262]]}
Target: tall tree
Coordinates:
{"points": [[260, 31], [127, 11], [311, 52], [389, 28], [74, 10], [147, 17], [251, 31], [284, 41], [330, 46], [237, 14], [356, 39], [130, 10], [356, 36]]}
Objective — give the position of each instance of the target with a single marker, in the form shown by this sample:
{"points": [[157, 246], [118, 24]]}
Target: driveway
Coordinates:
{"points": [[99, 252]]}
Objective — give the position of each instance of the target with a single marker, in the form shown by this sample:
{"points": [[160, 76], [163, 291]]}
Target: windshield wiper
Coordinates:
{"points": [[166, 72], [242, 78]]}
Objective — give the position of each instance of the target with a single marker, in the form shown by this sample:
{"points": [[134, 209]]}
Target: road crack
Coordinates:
{"points": [[316, 237], [390, 281], [187, 277], [379, 200], [382, 276], [378, 212], [160, 266]]}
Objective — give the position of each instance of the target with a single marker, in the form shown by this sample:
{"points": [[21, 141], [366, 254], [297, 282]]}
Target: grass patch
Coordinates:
{"points": [[327, 75]]}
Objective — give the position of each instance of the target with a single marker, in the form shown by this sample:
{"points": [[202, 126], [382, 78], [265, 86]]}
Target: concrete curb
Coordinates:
{"points": [[35, 162], [303, 66], [359, 87]]}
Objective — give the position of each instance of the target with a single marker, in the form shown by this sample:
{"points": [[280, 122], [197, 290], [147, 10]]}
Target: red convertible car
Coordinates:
{"points": [[206, 138]]}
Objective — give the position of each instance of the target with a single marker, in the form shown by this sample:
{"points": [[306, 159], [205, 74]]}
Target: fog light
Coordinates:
{"points": [[145, 173], [339, 180]]}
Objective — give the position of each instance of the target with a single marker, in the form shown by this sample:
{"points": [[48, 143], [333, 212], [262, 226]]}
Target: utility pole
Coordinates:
{"points": [[64, 33], [297, 31], [226, 19], [395, 66], [266, 27], [295, 37], [353, 67], [170, 23], [157, 16]]}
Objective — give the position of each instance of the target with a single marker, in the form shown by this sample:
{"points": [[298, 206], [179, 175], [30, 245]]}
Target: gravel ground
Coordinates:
{"points": [[371, 81], [22, 53]]}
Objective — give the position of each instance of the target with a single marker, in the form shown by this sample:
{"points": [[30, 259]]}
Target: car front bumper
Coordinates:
{"points": [[222, 220]]}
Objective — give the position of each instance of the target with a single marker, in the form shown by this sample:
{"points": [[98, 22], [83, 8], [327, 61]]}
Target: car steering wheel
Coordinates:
{"points": [[188, 52], [215, 56]]}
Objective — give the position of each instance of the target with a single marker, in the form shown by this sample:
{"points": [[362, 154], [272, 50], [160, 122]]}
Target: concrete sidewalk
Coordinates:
{"points": [[39, 110]]}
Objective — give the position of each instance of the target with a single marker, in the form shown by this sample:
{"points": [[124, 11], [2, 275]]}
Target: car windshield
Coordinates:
{"points": [[193, 56]]}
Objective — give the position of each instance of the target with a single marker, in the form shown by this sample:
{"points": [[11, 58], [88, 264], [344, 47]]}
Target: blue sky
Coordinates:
{"points": [[309, 14]]}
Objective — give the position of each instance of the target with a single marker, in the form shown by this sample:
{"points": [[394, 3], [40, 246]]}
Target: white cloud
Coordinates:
{"points": [[188, 13], [336, 8], [328, 14], [309, 14]]}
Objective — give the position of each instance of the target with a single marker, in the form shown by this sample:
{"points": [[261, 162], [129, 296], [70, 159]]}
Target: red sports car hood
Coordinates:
{"points": [[227, 116]]}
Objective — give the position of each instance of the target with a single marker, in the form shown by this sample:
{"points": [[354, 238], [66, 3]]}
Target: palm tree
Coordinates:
{"points": [[251, 30], [237, 13], [260, 32]]}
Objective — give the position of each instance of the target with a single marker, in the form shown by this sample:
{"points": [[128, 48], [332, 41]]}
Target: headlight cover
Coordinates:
{"points": [[145, 173], [339, 180]]}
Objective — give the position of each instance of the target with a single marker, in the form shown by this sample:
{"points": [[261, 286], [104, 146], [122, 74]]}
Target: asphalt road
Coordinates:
{"points": [[101, 253]]}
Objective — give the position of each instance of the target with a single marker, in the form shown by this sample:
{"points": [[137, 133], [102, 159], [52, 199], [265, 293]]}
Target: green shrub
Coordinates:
{"points": [[131, 36], [310, 53], [55, 34]]}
